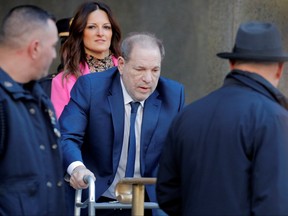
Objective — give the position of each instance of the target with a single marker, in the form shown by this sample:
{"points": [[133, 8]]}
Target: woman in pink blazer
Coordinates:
{"points": [[92, 46]]}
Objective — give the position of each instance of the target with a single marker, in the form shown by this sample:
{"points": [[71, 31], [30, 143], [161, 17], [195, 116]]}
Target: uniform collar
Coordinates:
{"points": [[16, 90]]}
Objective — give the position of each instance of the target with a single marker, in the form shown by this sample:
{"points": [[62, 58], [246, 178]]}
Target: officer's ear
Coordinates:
{"points": [[33, 49]]}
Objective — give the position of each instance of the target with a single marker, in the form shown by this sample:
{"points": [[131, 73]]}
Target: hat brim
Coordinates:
{"points": [[63, 34], [251, 57]]}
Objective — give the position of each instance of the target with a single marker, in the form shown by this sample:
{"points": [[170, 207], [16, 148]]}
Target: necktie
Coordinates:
{"points": [[132, 141]]}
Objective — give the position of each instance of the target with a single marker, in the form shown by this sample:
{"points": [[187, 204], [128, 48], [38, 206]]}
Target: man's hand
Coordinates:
{"points": [[76, 179]]}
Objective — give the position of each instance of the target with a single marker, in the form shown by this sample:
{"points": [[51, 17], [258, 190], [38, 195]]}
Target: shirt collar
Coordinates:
{"points": [[126, 96]]}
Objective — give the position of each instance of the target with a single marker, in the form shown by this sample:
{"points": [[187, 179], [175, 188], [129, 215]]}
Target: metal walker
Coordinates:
{"points": [[129, 193]]}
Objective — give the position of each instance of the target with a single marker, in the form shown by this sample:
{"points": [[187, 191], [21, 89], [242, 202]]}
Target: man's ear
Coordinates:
{"points": [[121, 63], [33, 49], [232, 64], [280, 70]]}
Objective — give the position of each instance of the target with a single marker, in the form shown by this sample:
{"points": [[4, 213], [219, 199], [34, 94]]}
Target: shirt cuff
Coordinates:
{"points": [[73, 165]]}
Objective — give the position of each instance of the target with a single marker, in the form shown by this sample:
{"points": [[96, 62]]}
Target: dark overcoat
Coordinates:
{"points": [[31, 169], [227, 153]]}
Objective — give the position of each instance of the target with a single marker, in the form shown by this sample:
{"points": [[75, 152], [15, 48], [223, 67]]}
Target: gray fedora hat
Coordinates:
{"points": [[257, 41]]}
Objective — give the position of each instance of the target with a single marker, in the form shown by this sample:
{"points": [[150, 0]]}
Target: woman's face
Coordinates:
{"points": [[97, 34]]}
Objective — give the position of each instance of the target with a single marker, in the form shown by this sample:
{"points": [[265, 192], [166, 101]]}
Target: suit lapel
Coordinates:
{"points": [[116, 103], [151, 113]]}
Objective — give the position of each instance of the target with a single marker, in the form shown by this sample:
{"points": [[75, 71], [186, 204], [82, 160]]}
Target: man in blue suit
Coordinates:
{"points": [[95, 124], [227, 153]]}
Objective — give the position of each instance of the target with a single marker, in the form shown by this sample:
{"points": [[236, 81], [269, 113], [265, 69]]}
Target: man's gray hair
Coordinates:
{"points": [[144, 39]]}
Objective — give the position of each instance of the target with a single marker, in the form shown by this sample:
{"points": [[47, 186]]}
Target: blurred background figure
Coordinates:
{"points": [[92, 46], [63, 26], [63, 33]]}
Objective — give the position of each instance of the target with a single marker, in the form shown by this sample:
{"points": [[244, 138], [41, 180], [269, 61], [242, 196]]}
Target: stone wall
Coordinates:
{"points": [[193, 31]]}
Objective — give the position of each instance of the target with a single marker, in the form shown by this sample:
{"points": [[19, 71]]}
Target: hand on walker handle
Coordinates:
{"points": [[76, 179]]}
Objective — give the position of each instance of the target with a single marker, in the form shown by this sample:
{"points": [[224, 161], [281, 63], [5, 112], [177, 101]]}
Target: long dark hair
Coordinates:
{"points": [[72, 51]]}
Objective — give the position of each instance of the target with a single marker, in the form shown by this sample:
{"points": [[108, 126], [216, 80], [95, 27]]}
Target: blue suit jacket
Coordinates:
{"points": [[92, 125]]}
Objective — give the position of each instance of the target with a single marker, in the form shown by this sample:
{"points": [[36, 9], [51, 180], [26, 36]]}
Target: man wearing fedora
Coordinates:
{"points": [[227, 153]]}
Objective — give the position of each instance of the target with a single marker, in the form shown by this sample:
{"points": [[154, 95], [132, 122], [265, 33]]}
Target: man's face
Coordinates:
{"points": [[141, 73]]}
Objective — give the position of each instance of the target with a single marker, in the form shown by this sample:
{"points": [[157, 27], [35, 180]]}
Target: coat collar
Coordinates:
{"points": [[258, 83]]}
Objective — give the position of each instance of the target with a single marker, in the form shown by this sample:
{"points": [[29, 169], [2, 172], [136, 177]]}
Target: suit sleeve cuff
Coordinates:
{"points": [[73, 165]]}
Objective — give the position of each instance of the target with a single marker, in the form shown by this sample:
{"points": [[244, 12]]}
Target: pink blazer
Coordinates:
{"points": [[60, 89]]}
